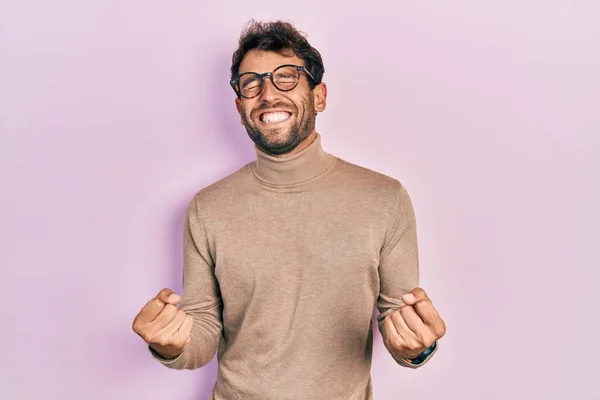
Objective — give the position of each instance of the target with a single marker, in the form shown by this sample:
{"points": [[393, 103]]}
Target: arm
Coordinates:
{"points": [[398, 272], [201, 297]]}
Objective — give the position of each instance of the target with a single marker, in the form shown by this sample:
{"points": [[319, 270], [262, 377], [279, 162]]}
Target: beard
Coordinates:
{"points": [[279, 141]]}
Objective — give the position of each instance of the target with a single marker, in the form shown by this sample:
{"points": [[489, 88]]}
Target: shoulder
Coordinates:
{"points": [[365, 180], [218, 195], [381, 194]]}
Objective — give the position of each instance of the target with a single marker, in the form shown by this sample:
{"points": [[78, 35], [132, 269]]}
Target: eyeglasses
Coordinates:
{"points": [[284, 78]]}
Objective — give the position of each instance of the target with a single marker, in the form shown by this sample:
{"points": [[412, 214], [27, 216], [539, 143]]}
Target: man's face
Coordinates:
{"points": [[277, 121]]}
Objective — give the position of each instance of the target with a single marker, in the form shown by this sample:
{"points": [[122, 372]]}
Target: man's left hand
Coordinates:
{"points": [[415, 327]]}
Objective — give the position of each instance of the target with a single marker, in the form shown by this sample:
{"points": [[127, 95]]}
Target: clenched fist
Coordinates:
{"points": [[163, 326], [415, 327]]}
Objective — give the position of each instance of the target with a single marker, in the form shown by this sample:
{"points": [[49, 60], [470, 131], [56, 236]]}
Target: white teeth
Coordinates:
{"points": [[271, 117]]}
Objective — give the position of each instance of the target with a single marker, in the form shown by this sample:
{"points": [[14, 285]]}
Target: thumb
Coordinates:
{"points": [[409, 299], [167, 296], [414, 296]]}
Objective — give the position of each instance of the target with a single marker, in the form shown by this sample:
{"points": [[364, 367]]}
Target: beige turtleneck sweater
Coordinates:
{"points": [[284, 261]]}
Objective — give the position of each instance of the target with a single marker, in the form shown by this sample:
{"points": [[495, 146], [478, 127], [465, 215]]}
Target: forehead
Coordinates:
{"points": [[266, 61]]}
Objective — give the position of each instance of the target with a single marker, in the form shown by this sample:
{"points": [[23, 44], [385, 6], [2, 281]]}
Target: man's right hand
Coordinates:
{"points": [[163, 326]]}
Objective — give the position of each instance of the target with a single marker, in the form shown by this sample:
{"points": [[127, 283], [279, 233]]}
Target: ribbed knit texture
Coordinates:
{"points": [[284, 262]]}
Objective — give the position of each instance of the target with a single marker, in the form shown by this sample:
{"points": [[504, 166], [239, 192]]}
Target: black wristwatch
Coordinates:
{"points": [[421, 357]]}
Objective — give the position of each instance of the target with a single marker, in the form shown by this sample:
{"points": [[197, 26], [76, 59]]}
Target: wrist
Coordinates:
{"points": [[423, 356], [163, 354]]}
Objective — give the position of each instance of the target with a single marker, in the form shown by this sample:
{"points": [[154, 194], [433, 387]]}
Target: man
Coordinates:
{"points": [[285, 259]]}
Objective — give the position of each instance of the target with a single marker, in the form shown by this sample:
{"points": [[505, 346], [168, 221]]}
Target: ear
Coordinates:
{"points": [[238, 106], [320, 96]]}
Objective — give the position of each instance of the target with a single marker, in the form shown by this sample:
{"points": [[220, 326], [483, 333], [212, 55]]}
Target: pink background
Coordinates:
{"points": [[114, 113]]}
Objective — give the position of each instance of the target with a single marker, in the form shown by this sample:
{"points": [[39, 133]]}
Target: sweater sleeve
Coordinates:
{"points": [[398, 264], [201, 297]]}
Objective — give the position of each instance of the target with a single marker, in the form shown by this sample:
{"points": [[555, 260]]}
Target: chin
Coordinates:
{"points": [[280, 139], [277, 143], [279, 147]]}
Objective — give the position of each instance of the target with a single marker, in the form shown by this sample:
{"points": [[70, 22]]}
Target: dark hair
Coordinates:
{"points": [[282, 38]]}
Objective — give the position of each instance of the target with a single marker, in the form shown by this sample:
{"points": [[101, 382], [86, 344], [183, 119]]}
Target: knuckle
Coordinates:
{"points": [[136, 326], [395, 343], [163, 341], [388, 341], [441, 331], [429, 342], [147, 337], [180, 344], [413, 345]]}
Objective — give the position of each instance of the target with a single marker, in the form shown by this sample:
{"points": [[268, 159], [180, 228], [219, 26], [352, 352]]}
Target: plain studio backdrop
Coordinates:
{"points": [[114, 113]]}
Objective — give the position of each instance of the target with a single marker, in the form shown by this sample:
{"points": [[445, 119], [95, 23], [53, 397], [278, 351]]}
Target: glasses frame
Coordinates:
{"points": [[299, 68]]}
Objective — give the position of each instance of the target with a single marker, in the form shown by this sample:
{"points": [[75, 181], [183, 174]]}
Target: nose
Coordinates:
{"points": [[269, 91]]}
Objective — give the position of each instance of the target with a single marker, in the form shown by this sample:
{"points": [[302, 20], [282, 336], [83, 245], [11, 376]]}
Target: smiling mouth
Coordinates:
{"points": [[274, 117]]}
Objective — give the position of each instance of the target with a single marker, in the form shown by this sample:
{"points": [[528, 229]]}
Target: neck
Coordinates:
{"points": [[305, 162]]}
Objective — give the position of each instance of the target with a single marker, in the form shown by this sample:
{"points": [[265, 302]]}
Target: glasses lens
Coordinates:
{"points": [[249, 84], [286, 78]]}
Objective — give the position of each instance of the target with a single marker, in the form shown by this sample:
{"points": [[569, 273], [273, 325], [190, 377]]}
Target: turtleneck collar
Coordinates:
{"points": [[300, 167]]}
